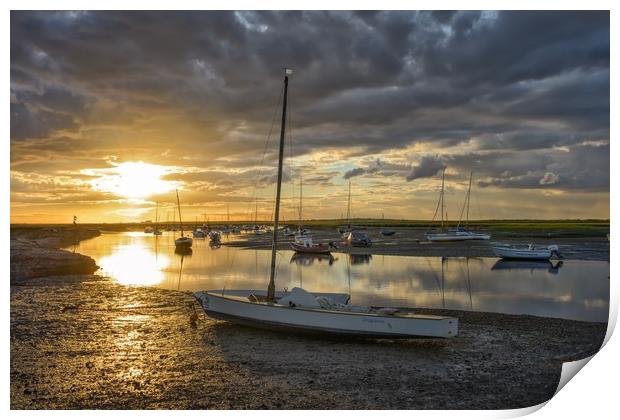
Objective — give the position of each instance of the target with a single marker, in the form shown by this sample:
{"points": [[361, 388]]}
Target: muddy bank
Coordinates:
{"points": [[412, 242], [54, 237], [35, 253], [87, 342]]}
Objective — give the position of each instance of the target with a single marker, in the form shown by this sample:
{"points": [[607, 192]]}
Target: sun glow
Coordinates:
{"points": [[132, 180]]}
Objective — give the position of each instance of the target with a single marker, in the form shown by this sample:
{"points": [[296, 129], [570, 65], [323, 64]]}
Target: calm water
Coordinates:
{"points": [[574, 290]]}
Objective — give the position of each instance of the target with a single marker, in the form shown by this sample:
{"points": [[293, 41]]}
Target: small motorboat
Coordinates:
{"points": [[358, 238], [387, 232], [527, 252], [215, 236], [305, 245], [199, 233], [157, 232], [149, 229]]}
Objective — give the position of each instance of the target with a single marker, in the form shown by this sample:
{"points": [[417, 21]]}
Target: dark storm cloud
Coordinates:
{"points": [[515, 84], [428, 167], [372, 168]]}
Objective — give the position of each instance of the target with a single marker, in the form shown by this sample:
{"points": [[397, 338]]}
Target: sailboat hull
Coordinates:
{"points": [[314, 249], [445, 237], [320, 321]]}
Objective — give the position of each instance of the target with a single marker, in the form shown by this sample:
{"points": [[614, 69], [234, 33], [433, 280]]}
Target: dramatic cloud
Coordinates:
{"points": [[428, 166], [519, 98]]}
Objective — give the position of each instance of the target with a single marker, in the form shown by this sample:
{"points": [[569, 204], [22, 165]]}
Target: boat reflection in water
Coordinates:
{"points": [[530, 265], [309, 259], [575, 290], [183, 251], [357, 259]]}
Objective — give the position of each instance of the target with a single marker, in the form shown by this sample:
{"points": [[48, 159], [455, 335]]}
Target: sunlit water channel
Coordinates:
{"points": [[574, 290]]}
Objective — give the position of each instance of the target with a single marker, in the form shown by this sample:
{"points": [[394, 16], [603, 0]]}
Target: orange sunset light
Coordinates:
{"points": [[132, 180]]}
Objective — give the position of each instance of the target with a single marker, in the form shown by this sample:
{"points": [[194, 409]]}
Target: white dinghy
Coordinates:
{"points": [[302, 311], [527, 252]]}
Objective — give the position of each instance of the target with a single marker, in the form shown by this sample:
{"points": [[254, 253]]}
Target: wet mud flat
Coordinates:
{"points": [[84, 341], [412, 242]]}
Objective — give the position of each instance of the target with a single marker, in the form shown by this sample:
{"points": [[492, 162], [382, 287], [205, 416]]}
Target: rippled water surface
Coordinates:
{"points": [[575, 289]]}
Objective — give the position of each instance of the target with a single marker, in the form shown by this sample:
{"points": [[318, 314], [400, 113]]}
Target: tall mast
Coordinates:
{"points": [[349, 206], [468, 195], [300, 184], [443, 177], [180, 221], [271, 289], [156, 208]]}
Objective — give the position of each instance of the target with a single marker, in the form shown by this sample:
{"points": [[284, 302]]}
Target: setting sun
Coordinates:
{"points": [[132, 180]]}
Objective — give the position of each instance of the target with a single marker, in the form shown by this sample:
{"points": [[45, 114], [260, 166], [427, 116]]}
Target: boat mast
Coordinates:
{"points": [[443, 177], [156, 208], [179, 206], [468, 196], [300, 186], [271, 289], [349, 207]]}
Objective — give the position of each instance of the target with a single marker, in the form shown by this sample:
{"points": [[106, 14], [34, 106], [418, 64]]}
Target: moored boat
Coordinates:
{"points": [[215, 236], [527, 252], [184, 241], [358, 238], [305, 244], [308, 316], [458, 234]]}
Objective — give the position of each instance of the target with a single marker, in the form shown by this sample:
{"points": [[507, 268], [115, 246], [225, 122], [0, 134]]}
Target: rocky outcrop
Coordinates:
{"points": [[30, 259]]}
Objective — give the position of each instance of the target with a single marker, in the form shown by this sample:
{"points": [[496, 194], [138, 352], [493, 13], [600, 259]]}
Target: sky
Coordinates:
{"points": [[113, 111]]}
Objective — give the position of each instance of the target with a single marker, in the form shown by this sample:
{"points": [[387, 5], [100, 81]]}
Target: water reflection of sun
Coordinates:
{"points": [[135, 264]]}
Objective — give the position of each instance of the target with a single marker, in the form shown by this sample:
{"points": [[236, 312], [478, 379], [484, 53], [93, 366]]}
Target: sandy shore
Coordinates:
{"points": [[412, 242], [82, 341]]}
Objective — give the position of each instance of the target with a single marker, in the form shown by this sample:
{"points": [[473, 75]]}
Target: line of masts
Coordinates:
{"points": [[464, 209]]}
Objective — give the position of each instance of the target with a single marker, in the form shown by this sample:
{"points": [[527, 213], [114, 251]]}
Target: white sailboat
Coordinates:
{"points": [[303, 240], [184, 242], [302, 311], [458, 234], [344, 231]]}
